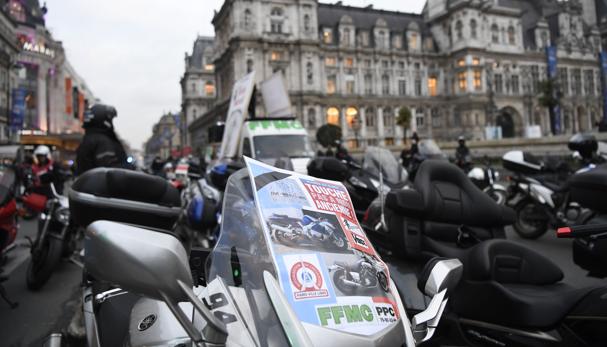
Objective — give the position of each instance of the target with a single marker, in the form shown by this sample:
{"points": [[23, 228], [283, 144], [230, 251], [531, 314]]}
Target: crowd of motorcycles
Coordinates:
{"points": [[508, 294]]}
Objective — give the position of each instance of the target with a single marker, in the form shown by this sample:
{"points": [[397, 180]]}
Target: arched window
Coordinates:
{"points": [[249, 65], [459, 30], [306, 22], [276, 11], [333, 116], [473, 28], [209, 88], [544, 39], [495, 35], [352, 117], [370, 118], [413, 40], [511, 35], [345, 39], [247, 18], [389, 120], [311, 118], [309, 73]]}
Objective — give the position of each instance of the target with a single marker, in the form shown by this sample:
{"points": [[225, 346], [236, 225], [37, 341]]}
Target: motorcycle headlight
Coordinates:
{"points": [[63, 215]]}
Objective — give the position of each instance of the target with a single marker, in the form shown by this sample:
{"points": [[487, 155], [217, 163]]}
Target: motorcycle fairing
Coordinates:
{"points": [[304, 271]]}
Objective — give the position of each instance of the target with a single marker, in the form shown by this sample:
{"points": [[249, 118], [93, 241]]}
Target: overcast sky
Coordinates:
{"points": [[131, 52]]}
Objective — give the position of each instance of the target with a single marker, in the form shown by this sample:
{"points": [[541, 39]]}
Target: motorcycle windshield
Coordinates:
{"points": [[429, 148], [304, 232], [378, 160]]}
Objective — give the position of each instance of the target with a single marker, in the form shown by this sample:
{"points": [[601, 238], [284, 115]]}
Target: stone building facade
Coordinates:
{"points": [[459, 66], [197, 87]]}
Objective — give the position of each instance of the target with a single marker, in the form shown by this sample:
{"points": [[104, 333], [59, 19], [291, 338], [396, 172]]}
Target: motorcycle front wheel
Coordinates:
{"points": [[339, 278], [43, 262], [498, 195], [340, 242], [531, 220]]}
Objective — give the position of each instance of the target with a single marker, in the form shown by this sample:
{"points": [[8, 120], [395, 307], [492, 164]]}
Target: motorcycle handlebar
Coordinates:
{"points": [[597, 230]]}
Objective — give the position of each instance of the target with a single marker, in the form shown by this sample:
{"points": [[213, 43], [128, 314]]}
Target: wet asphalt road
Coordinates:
{"points": [[51, 308]]}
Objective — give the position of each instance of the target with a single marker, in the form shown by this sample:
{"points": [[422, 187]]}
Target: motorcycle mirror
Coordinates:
{"points": [[150, 263], [438, 278]]}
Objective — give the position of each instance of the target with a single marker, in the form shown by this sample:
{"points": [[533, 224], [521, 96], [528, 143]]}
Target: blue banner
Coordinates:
{"points": [[603, 59], [18, 109], [555, 112]]}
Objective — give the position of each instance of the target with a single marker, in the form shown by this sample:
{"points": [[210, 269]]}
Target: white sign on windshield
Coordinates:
{"points": [[239, 104]]}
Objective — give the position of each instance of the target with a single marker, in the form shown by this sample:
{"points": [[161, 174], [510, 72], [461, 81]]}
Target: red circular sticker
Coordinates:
{"points": [[306, 276]]}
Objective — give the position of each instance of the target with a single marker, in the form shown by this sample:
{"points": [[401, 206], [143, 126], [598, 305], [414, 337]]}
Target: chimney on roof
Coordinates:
{"points": [[338, 3], [369, 7]]}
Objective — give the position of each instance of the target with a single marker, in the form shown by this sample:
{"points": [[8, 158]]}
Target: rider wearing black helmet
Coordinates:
{"points": [[100, 146]]}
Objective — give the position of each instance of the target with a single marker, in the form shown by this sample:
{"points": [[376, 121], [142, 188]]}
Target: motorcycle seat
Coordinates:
{"points": [[449, 196], [509, 284]]}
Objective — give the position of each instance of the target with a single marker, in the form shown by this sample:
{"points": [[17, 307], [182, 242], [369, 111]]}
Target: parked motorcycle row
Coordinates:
{"points": [[182, 259]]}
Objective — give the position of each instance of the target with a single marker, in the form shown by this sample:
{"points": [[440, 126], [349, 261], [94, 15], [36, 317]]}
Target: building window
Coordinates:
{"points": [[459, 30], [535, 78], [436, 120], [364, 38], [311, 118], [345, 38], [385, 85], [350, 85], [419, 118], [495, 35], [515, 84], [309, 73], [368, 63], [330, 61], [370, 118], [432, 87], [276, 27], [511, 35], [368, 84], [384, 64], [381, 40], [193, 87], [389, 141], [209, 88], [402, 87], [589, 82], [249, 65], [544, 39], [247, 18], [461, 81], [473, 28], [397, 41], [476, 61], [499, 85], [306, 22], [16, 11], [276, 56], [352, 117], [333, 116], [461, 62], [327, 36], [389, 119], [478, 84], [194, 115], [401, 65], [276, 11], [413, 40], [418, 87], [563, 80], [331, 84], [349, 62]]}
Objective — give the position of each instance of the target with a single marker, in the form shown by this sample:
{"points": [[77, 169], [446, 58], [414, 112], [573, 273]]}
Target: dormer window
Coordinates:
{"points": [[473, 28], [397, 41], [16, 10], [306, 22], [413, 41], [511, 35], [345, 39], [276, 20], [247, 18], [495, 33], [459, 30], [364, 38], [327, 36]]}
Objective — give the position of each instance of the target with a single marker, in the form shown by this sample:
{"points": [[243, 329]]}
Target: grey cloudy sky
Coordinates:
{"points": [[131, 52]]}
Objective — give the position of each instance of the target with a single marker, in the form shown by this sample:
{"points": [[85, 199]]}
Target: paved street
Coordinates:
{"points": [[39, 313], [50, 309]]}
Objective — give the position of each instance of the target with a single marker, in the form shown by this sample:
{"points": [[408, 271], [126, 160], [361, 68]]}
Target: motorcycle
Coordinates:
{"points": [[362, 181], [442, 214], [56, 238], [485, 178], [426, 149], [309, 231], [364, 274], [238, 300], [8, 224]]}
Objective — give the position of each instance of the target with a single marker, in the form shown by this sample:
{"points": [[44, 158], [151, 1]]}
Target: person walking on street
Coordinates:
{"points": [[100, 146]]}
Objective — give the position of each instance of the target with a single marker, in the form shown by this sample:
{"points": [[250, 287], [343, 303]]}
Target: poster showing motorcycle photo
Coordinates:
{"points": [[328, 269]]}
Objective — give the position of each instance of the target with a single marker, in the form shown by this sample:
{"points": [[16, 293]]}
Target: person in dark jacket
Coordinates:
{"points": [[100, 146]]}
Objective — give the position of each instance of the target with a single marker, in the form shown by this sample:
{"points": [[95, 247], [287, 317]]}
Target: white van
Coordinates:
{"points": [[279, 142]]}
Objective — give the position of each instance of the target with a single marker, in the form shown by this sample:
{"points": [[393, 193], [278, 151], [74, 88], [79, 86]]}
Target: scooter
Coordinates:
{"points": [[239, 301]]}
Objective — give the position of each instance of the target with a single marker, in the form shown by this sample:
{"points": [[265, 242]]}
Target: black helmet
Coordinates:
{"points": [[99, 116]]}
